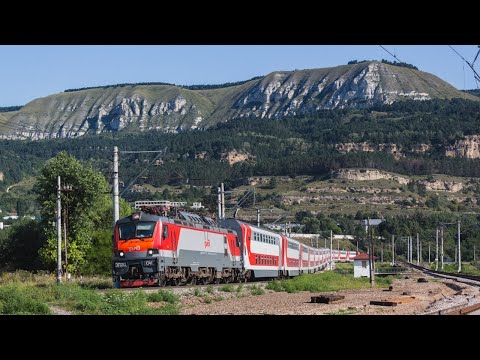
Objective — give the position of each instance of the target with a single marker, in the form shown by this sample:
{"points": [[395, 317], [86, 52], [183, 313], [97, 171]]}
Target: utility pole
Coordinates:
{"points": [[258, 221], [338, 248], [473, 252], [393, 250], [418, 251], [223, 200], [436, 251], [381, 260], [331, 250], [429, 253], [411, 249], [459, 250], [219, 202], [59, 232], [441, 249], [65, 238], [116, 203], [421, 251], [66, 189], [371, 256], [408, 248]]}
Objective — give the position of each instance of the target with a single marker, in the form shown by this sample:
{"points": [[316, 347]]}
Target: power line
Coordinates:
{"points": [[396, 58], [145, 169], [475, 74], [140, 152]]}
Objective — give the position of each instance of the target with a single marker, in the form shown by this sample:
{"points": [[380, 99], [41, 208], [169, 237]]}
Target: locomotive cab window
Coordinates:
{"points": [[136, 230]]}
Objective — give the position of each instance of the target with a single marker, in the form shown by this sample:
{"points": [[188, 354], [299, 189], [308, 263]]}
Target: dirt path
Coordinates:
{"points": [[431, 296], [58, 311]]}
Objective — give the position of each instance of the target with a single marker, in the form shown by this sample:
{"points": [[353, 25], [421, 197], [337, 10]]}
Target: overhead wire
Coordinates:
{"points": [[475, 74], [140, 174], [416, 73]]}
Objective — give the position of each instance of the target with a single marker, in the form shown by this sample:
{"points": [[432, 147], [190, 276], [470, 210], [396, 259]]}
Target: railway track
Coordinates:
{"points": [[465, 278], [470, 309]]}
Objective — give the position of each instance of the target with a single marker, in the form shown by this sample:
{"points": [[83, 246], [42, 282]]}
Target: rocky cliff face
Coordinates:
{"points": [[469, 147], [172, 109], [393, 149], [368, 174], [441, 185]]}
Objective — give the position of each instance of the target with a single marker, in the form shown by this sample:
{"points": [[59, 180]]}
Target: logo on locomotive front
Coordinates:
{"points": [[134, 248], [206, 243]]}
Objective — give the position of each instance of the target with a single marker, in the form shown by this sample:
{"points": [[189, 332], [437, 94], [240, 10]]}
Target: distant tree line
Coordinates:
{"points": [[189, 87], [353, 62], [475, 92], [395, 63], [10, 108], [401, 64]]}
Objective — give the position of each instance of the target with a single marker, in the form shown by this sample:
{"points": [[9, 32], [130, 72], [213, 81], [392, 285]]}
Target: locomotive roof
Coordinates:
{"points": [[185, 218]]}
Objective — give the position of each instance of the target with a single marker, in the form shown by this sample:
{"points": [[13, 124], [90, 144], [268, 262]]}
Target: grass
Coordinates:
{"points": [[254, 290], [342, 312], [163, 295], [197, 292], [339, 279], [467, 268], [227, 288], [26, 293]]}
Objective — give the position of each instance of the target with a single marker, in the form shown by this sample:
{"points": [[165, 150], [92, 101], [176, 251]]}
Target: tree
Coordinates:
{"points": [[88, 206], [19, 245]]}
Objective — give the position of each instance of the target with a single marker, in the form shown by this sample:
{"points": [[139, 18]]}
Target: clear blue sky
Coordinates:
{"points": [[29, 72]]}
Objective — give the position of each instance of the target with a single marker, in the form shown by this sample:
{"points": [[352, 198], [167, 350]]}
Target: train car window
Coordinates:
{"points": [[145, 229], [126, 230], [237, 241], [136, 230], [165, 232]]}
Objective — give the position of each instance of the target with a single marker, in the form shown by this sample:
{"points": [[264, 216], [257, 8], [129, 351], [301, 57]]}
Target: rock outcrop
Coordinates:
{"points": [[368, 174], [469, 148], [171, 108], [441, 185]]}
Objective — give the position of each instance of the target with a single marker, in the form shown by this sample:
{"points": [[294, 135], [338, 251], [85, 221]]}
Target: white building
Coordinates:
{"points": [[10, 217], [166, 203], [197, 205], [361, 265]]}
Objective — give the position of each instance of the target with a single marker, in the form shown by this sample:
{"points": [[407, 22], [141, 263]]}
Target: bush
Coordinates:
{"points": [[21, 301], [163, 295]]}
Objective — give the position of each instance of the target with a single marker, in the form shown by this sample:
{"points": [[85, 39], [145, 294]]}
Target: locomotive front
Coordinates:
{"points": [[136, 256]]}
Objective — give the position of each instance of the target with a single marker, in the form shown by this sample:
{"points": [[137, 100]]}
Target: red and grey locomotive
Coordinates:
{"points": [[151, 248]]}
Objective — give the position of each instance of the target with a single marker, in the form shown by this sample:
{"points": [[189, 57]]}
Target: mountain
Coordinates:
{"points": [[173, 108]]}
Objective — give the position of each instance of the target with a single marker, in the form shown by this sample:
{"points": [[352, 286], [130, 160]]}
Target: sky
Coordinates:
{"points": [[28, 72]]}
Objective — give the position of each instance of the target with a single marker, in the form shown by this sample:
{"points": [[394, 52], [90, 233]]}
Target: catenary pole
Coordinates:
{"points": [[59, 232], [116, 203]]}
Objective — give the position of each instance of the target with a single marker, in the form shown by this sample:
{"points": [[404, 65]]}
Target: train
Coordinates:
{"points": [[154, 248]]}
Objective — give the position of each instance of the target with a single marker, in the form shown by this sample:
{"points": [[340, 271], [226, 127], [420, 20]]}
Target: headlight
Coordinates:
{"points": [[152, 251], [121, 253]]}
